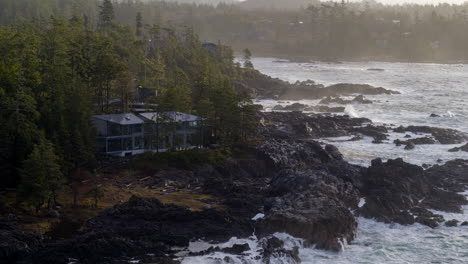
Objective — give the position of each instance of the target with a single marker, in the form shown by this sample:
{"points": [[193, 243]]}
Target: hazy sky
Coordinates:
{"points": [[411, 1], [421, 1]]}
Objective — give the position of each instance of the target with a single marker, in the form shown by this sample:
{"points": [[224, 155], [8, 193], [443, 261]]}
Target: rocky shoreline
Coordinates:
{"points": [[300, 186], [290, 183]]}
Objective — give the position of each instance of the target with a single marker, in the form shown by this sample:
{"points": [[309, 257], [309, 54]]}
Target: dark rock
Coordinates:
{"points": [[299, 92], [274, 248], [400, 192], [337, 100], [139, 227], [451, 223], [16, 245], [415, 141], [53, 214], [236, 249], [464, 223], [294, 125], [443, 135], [377, 132], [462, 148], [434, 115], [311, 193], [409, 146]]}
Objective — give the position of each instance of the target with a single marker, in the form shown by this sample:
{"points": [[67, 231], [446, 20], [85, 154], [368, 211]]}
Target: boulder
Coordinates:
{"points": [[451, 223], [409, 146]]}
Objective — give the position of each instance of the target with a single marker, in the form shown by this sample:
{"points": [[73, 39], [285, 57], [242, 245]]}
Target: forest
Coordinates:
{"points": [[318, 30], [57, 71]]}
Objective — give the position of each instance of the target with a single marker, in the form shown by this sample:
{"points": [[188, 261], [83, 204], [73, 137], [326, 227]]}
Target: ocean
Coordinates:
{"points": [[426, 89]]}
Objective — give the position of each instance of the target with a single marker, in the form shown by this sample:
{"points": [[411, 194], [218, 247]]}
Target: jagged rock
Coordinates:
{"points": [[16, 245], [464, 223], [299, 92], [377, 132], [451, 223], [462, 148], [443, 135], [409, 146], [311, 193], [434, 115], [415, 141], [337, 100], [400, 192], [274, 248], [139, 227], [284, 125]]}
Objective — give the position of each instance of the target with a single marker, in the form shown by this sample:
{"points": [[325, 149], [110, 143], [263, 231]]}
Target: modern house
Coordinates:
{"points": [[131, 134]]}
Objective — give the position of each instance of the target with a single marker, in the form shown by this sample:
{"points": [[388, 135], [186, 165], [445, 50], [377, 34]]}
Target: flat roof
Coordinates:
{"points": [[122, 119]]}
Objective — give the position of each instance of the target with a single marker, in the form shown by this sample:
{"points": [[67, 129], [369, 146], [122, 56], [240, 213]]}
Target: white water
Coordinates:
{"points": [[426, 88]]}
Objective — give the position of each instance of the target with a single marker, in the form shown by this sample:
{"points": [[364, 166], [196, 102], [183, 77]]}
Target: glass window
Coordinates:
{"points": [[138, 142], [114, 145], [137, 128], [113, 129], [127, 143], [126, 130]]}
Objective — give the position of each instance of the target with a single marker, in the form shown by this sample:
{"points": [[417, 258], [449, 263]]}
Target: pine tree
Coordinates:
{"points": [[106, 14], [41, 176], [247, 59], [139, 24]]}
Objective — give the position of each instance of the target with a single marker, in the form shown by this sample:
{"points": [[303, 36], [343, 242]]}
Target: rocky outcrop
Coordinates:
{"points": [[139, 227], [311, 193], [273, 248], [338, 100], [315, 108], [411, 143], [443, 135], [15, 244], [400, 192], [462, 148], [298, 125], [299, 92]]}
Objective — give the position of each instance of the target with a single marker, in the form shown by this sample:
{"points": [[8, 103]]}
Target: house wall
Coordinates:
{"points": [[101, 126]]}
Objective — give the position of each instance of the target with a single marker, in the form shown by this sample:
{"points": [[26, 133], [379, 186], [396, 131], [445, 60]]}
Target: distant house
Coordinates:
{"points": [[119, 134], [131, 134], [210, 47], [143, 94]]}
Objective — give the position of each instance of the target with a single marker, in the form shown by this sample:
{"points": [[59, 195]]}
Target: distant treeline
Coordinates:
{"points": [[327, 31]]}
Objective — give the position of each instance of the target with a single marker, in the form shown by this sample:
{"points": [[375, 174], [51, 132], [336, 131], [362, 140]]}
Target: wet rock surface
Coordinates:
{"points": [[403, 193], [301, 91], [264, 87], [338, 100], [302, 188], [311, 194], [462, 148], [443, 135]]}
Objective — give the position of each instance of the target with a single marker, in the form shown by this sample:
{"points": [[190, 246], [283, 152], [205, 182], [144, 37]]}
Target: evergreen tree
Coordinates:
{"points": [[41, 176], [247, 59], [139, 24], [106, 14]]}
